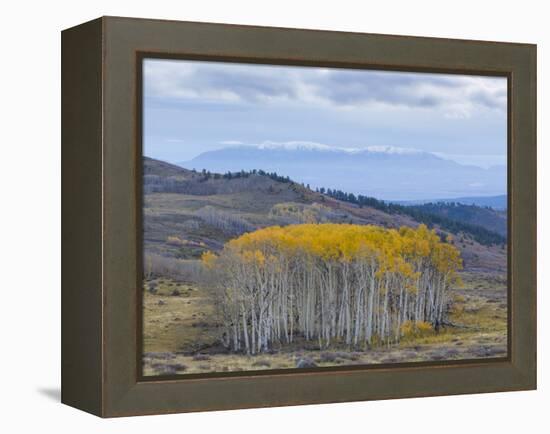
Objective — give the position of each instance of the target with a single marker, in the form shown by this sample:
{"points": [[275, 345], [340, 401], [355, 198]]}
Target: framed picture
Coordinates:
{"points": [[259, 216]]}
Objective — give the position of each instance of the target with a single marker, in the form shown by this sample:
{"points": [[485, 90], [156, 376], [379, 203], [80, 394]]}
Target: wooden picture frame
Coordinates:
{"points": [[101, 226]]}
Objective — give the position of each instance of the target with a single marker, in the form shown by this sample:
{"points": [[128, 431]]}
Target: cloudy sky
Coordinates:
{"points": [[192, 106]]}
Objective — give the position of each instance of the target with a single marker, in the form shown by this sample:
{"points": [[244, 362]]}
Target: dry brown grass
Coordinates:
{"points": [[172, 323], [181, 333]]}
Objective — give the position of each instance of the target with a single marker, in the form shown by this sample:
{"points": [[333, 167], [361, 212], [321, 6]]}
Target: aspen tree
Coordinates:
{"points": [[353, 284]]}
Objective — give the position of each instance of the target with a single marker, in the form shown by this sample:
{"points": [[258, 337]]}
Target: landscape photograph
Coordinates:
{"points": [[315, 218]]}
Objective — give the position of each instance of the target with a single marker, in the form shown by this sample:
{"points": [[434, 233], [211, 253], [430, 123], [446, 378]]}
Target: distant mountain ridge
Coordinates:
{"points": [[499, 202], [384, 172], [313, 146]]}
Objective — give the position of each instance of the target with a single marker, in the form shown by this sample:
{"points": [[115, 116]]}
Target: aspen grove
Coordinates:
{"points": [[358, 285]]}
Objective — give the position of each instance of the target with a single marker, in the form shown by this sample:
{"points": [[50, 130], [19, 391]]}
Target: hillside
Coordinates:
{"points": [[485, 217], [452, 218], [187, 213]]}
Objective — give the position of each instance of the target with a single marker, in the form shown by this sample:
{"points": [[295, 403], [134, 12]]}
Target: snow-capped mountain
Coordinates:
{"points": [[320, 147], [385, 172]]}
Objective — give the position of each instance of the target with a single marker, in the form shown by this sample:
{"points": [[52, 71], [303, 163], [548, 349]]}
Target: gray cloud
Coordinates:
{"points": [[456, 96]]}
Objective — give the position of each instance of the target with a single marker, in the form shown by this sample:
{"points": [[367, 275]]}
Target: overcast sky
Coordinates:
{"points": [[194, 106]]}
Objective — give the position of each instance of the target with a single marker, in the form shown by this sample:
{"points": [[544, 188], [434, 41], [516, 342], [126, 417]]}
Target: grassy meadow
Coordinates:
{"points": [[181, 337]]}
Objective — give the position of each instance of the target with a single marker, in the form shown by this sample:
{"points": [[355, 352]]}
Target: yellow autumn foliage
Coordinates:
{"points": [[419, 329], [358, 284], [396, 250]]}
